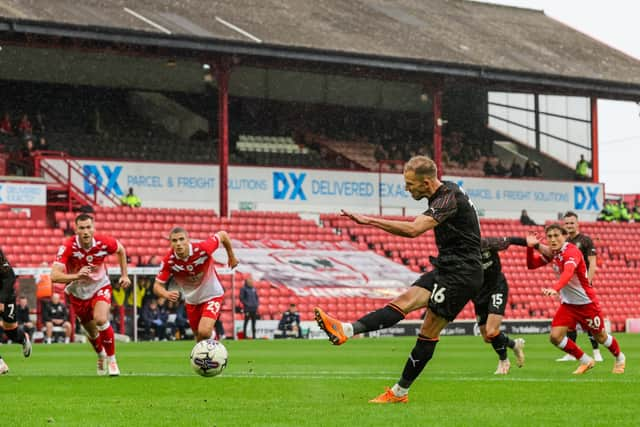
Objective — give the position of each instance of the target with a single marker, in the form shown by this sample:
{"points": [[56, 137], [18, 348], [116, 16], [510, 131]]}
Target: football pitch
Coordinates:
{"points": [[312, 383]]}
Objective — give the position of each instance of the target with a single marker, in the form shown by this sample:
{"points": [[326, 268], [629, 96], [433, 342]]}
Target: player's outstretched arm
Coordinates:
{"points": [[534, 260], [415, 228], [226, 242]]}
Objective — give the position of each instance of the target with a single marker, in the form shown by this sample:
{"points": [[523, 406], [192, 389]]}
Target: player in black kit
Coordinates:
{"points": [[491, 302], [586, 246], [8, 311], [455, 279]]}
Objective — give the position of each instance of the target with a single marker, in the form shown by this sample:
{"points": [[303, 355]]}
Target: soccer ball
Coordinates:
{"points": [[208, 358]]}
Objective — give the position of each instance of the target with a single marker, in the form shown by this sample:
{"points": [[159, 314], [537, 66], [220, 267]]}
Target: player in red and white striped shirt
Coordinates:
{"points": [[80, 263], [192, 266], [579, 303]]}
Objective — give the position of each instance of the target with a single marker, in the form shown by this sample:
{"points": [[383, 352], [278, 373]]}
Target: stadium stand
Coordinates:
{"points": [[617, 279]]}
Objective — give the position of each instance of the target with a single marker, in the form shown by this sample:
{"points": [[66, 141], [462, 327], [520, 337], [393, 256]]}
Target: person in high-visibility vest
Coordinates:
{"points": [[625, 216], [131, 200], [582, 169], [608, 212], [636, 210]]}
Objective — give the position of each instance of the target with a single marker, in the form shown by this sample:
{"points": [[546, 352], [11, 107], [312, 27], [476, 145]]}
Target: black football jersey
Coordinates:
{"points": [[458, 231], [586, 246]]}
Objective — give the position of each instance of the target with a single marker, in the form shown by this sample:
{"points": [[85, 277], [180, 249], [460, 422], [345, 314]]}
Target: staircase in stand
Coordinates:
{"points": [[62, 192]]}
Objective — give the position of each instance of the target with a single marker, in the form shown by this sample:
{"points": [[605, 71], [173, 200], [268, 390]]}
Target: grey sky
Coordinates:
{"points": [[614, 22]]}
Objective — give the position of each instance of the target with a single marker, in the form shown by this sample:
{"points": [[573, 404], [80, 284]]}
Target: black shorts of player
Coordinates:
{"points": [[450, 291], [492, 299], [9, 313]]}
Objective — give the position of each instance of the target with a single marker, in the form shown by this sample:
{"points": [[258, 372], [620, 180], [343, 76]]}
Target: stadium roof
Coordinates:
{"points": [[446, 37]]}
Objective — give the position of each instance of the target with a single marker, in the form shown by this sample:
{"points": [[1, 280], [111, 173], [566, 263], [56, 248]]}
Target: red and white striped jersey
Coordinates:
{"points": [[73, 257], [196, 273], [578, 291]]}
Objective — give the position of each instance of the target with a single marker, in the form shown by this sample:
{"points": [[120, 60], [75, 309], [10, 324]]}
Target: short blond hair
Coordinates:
{"points": [[422, 165]]}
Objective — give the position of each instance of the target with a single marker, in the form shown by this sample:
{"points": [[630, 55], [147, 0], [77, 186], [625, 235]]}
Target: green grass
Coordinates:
{"points": [[311, 383]]}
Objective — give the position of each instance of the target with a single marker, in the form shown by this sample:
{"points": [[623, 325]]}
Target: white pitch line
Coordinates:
{"points": [[350, 376], [147, 20], [238, 29]]}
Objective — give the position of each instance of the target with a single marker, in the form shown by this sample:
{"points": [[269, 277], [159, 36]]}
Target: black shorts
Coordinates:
{"points": [[492, 299], [9, 313], [450, 291]]}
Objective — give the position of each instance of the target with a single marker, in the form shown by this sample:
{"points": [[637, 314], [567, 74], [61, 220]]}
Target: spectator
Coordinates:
{"points": [[636, 210], [56, 314], [394, 152], [501, 170], [27, 164], [528, 168], [23, 316], [43, 145], [380, 154], [131, 200], [582, 169], [39, 126], [5, 125], [24, 127], [118, 298], [250, 301], [290, 323], [536, 169], [525, 219], [28, 149], [489, 168], [154, 318], [516, 169], [623, 212], [142, 292], [453, 144], [608, 212], [178, 326]]}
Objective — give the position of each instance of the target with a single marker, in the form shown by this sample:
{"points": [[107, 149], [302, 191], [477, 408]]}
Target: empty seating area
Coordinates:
{"points": [[274, 150], [269, 144], [357, 152], [27, 242], [144, 231], [134, 146]]}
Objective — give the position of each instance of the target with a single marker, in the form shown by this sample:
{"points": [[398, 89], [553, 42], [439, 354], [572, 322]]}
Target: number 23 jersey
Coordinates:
{"points": [[196, 273]]}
